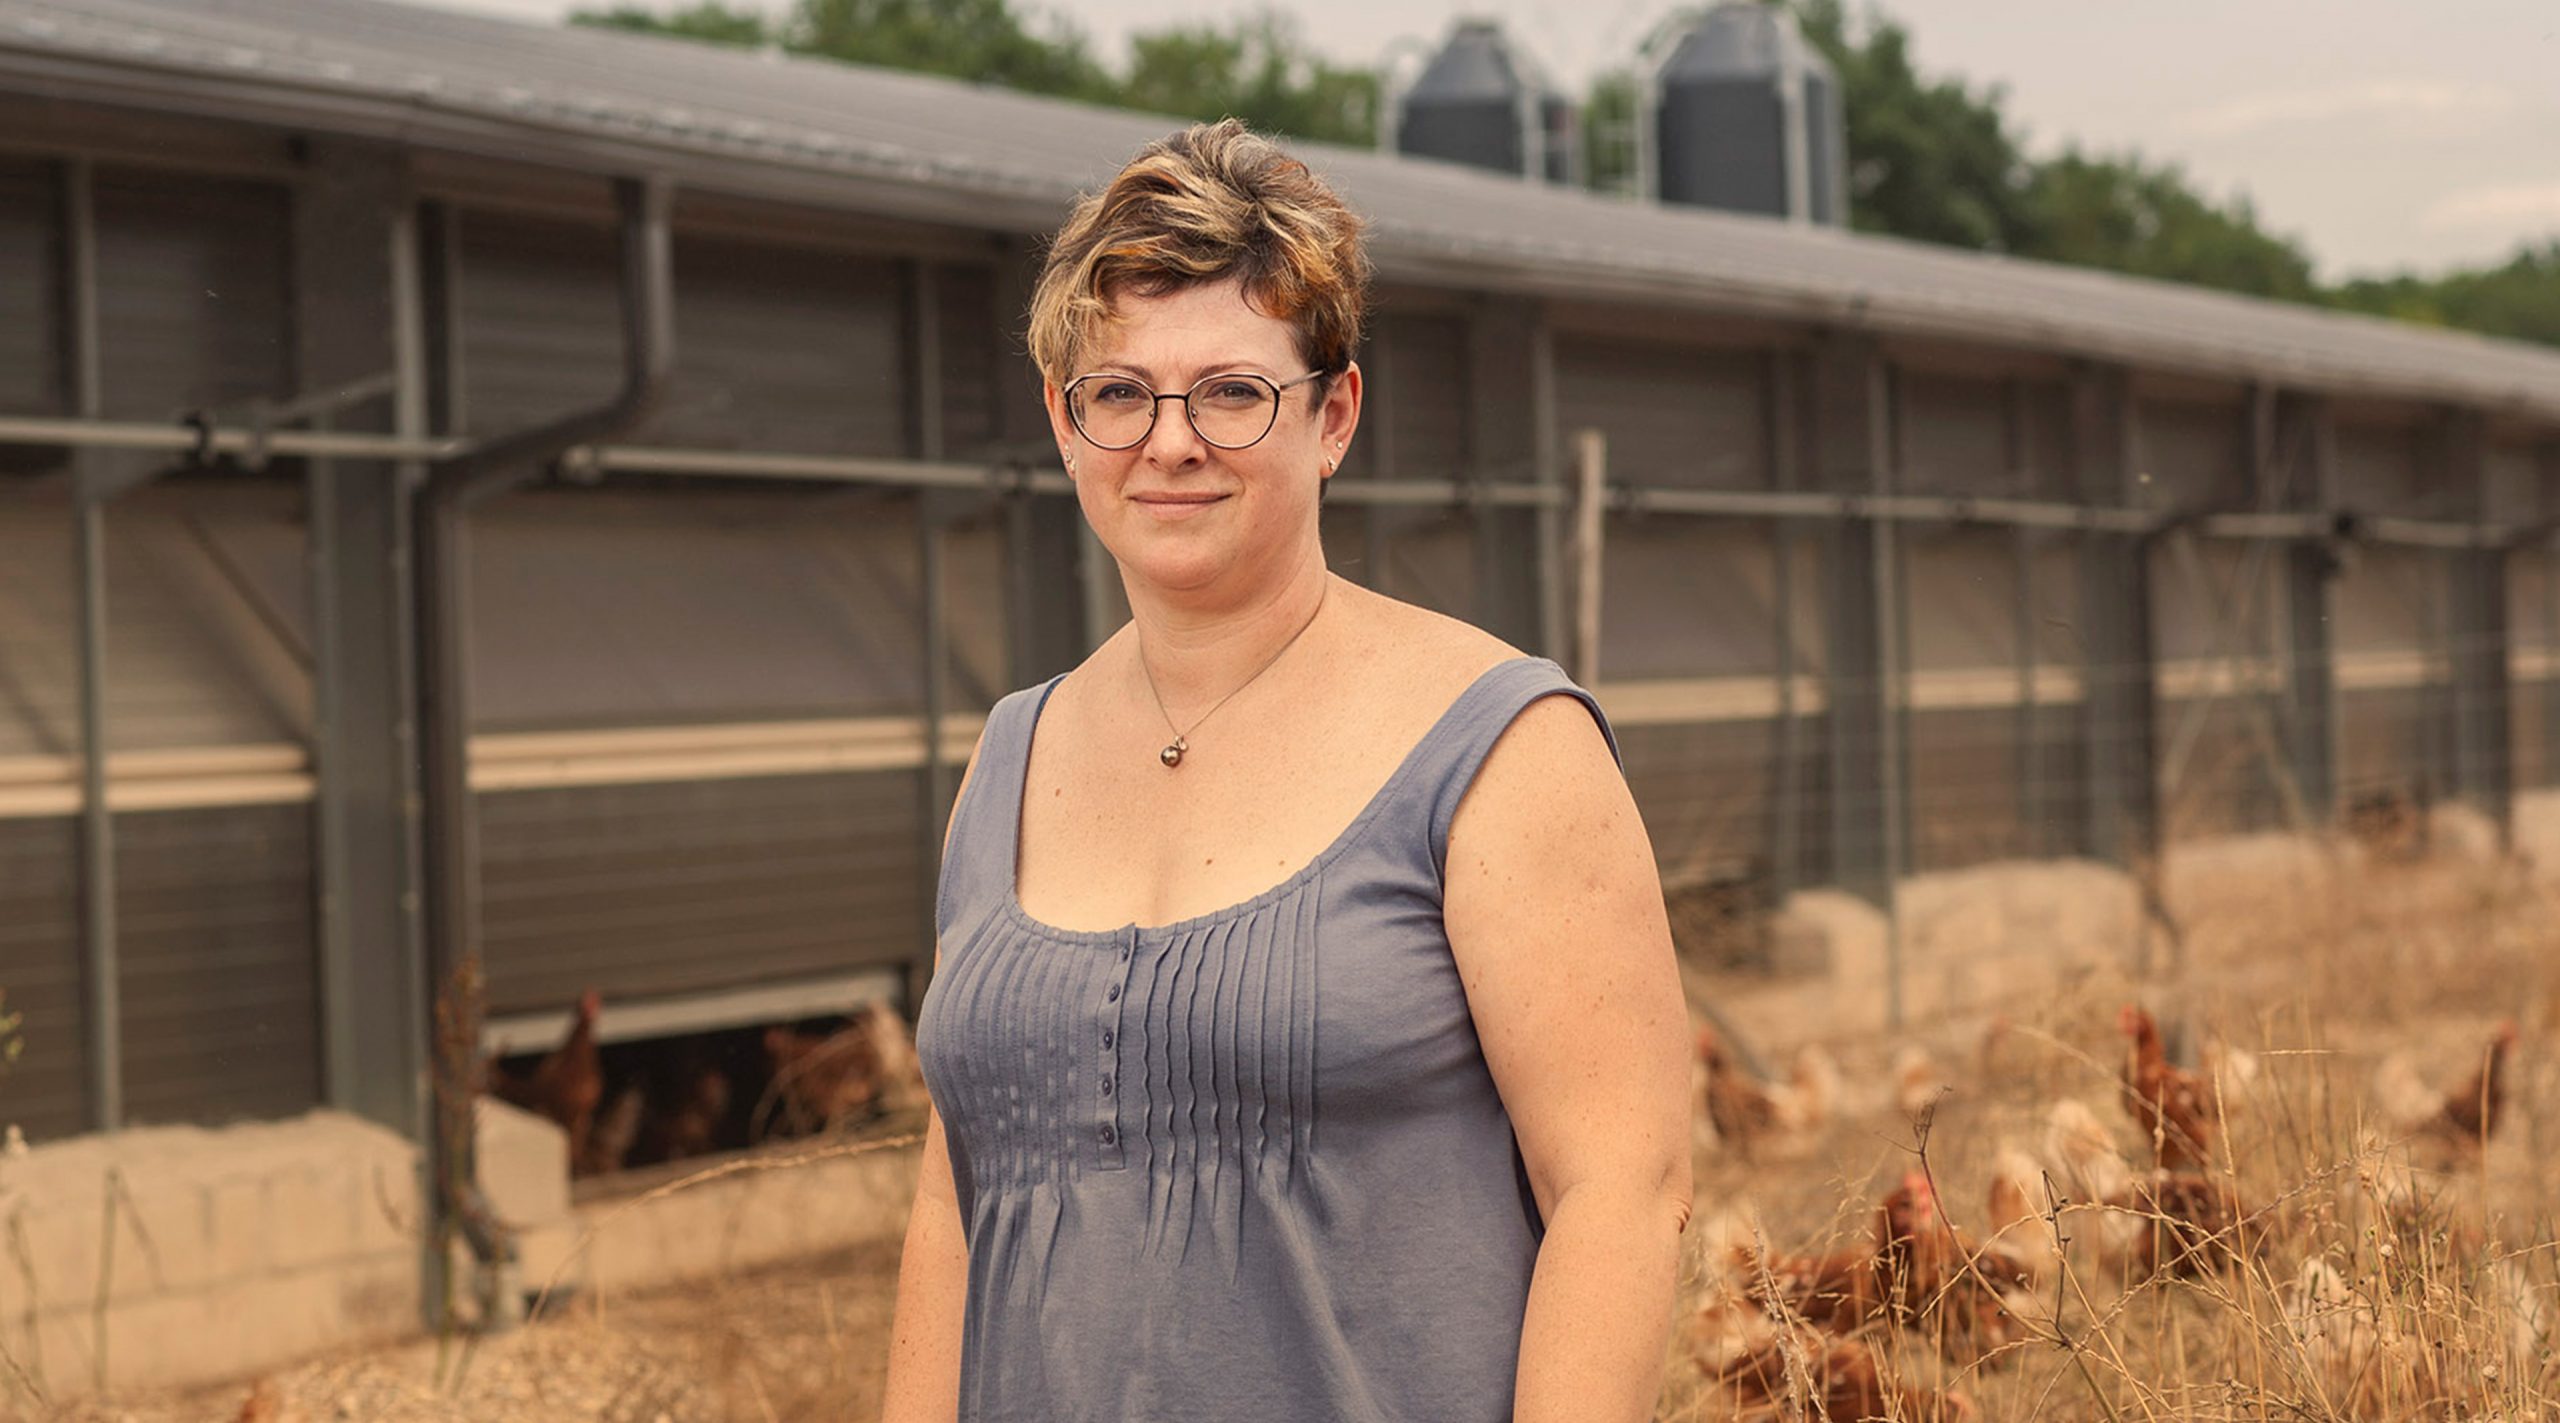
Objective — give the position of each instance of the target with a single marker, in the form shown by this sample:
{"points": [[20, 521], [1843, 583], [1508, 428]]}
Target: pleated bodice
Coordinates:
{"points": [[1249, 1166]]}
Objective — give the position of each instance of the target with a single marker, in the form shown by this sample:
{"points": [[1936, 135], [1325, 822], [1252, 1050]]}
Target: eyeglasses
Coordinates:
{"points": [[1231, 411]]}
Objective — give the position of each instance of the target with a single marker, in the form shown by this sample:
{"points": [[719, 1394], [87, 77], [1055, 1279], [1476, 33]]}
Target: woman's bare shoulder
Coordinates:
{"points": [[1436, 656]]}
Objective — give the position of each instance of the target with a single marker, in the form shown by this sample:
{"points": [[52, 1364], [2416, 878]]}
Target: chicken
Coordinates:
{"points": [[265, 1404], [2192, 1222], [1767, 1120], [901, 1072], [1941, 1282], [1799, 1372], [2449, 1129], [2175, 1108], [567, 1085], [610, 1141], [1918, 1081], [823, 1081], [2020, 1236], [690, 1122], [2098, 1182]]}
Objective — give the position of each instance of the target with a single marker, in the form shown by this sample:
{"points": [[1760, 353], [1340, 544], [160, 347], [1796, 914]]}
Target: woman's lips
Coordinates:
{"points": [[1170, 509]]}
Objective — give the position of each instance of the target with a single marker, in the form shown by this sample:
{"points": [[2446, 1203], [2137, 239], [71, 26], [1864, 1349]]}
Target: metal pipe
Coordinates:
{"points": [[102, 969], [450, 880], [204, 439]]}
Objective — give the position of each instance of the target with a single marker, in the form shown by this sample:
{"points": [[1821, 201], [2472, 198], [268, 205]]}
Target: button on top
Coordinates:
{"points": [[1124, 953]]}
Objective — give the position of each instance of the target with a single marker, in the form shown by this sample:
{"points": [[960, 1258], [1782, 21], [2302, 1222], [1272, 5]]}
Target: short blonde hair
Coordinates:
{"points": [[1212, 203]]}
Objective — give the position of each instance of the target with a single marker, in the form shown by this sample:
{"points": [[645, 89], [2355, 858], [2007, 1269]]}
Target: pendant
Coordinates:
{"points": [[1172, 755]]}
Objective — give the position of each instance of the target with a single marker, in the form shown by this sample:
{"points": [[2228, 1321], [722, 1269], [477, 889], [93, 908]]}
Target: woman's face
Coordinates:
{"points": [[1177, 512]]}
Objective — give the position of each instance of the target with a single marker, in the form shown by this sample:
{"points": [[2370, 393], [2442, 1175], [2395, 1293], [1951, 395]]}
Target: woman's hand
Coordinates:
{"points": [[1555, 916]]}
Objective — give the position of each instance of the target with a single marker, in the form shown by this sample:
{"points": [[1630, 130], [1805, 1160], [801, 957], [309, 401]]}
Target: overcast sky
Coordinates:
{"points": [[2381, 133]]}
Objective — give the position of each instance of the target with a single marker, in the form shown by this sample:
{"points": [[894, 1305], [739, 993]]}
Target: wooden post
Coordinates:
{"points": [[1590, 497]]}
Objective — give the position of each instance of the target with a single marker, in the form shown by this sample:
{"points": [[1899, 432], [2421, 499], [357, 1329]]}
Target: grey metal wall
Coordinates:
{"points": [[30, 330]]}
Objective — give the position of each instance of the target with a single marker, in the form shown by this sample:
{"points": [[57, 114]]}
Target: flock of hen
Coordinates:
{"points": [[1779, 1331], [813, 1082]]}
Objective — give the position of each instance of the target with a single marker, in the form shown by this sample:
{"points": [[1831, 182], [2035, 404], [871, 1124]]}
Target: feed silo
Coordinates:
{"points": [[1480, 102], [1743, 115]]}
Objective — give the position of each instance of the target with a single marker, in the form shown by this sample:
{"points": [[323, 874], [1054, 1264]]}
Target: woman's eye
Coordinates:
{"points": [[1118, 393], [1234, 393]]}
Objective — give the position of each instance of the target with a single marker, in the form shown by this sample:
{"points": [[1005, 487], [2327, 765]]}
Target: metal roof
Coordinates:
{"points": [[914, 145]]}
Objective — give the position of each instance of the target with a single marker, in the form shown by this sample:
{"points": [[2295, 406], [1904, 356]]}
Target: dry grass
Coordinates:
{"points": [[2440, 1305]]}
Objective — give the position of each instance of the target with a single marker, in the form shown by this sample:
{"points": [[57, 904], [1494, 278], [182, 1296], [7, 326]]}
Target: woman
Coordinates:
{"points": [[1385, 1117]]}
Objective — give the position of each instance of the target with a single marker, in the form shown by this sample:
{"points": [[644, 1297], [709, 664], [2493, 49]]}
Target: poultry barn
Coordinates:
{"points": [[555, 505]]}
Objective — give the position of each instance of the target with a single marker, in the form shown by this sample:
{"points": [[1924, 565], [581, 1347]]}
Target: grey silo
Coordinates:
{"points": [[1747, 117], [1480, 102]]}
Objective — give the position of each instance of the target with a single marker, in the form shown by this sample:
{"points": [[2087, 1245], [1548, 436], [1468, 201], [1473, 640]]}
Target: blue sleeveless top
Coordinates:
{"points": [[1249, 1166]]}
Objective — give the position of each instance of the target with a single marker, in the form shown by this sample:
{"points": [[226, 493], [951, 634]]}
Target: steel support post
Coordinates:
{"points": [[2117, 659], [95, 477], [359, 304], [2481, 711], [1849, 396], [1789, 863], [2296, 459]]}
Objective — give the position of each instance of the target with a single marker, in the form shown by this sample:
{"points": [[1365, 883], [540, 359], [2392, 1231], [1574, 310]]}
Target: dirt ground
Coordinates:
{"points": [[804, 1343], [2321, 983]]}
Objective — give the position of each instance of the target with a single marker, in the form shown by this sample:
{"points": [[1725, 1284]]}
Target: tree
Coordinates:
{"points": [[707, 20], [986, 41], [1258, 70], [2129, 215], [1929, 160], [2519, 298], [980, 40]]}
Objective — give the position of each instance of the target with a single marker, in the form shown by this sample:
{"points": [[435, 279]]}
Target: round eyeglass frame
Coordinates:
{"points": [[1155, 405]]}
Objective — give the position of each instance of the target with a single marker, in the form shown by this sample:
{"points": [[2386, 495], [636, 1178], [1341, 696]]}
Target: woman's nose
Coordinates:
{"points": [[1173, 441]]}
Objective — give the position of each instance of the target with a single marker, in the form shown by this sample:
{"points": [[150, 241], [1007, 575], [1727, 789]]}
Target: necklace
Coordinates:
{"points": [[1171, 755]]}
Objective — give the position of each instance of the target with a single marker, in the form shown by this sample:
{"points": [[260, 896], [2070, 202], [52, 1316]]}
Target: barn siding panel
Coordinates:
{"points": [[1676, 416], [177, 669], [30, 315], [2195, 455], [1954, 435], [652, 890], [47, 1093], [1704, 792], [1423, 400], [219, 964], [193, 301], [537, 320]]}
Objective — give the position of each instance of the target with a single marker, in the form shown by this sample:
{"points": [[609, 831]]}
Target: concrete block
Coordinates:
{"points": [[390, 1207], [311, 1216], [524, 1165], [238, 1224]]}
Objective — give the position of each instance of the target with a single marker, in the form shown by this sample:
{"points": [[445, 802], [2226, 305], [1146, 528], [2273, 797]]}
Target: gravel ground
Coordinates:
{"points": [[809, 1342]]}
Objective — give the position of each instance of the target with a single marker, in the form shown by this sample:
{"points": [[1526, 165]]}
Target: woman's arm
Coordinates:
{"points": [[933, 1290], [1555, 916]]}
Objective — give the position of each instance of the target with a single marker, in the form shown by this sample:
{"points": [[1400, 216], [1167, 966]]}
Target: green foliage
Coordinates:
{"points": [[981, 40], [2128, 215], [2519, 299], [1609, 133], [706, 20], [1259, 70], [1931, 160]]}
